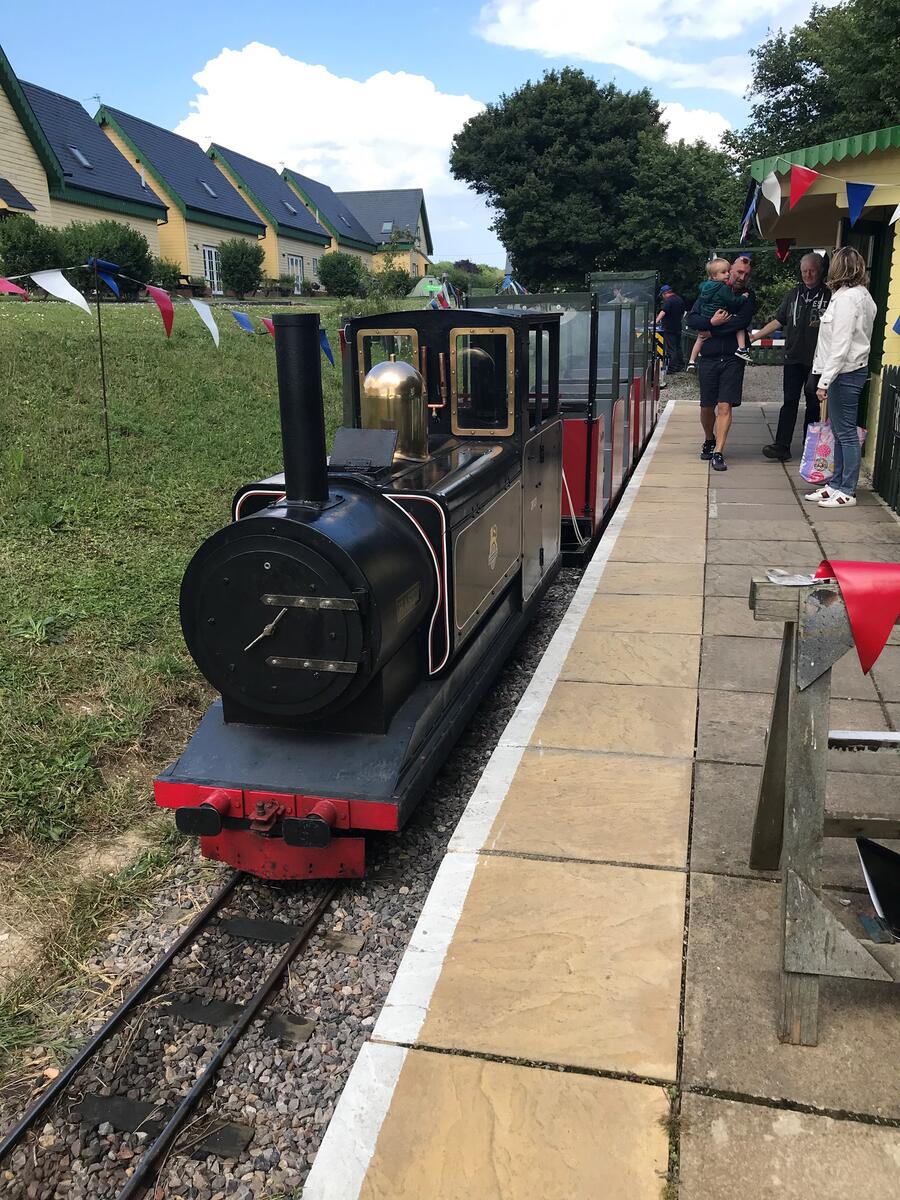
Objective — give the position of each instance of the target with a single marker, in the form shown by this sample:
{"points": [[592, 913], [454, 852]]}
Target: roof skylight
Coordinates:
{"points": [[287, 204], [205, 185], [82, 158], [387, 226], [344, 219]]}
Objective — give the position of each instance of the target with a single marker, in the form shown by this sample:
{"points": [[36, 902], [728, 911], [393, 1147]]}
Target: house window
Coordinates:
{"points": [[295, 268], [212, 269], [315, 266], [387, 226], [207, 188], [415, 267], [81, 158]]}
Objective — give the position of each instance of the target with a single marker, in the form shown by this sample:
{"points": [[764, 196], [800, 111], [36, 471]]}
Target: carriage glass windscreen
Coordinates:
{"points": [[538, 375], [378, 346], [574, 309], [481, 384]]}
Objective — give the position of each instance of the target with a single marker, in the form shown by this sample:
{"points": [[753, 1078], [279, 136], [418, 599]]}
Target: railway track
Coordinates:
{"points": [[124, 1112]]}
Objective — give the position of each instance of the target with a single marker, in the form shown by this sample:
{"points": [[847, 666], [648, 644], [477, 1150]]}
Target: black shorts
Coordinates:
{"points": [[721, 380]]}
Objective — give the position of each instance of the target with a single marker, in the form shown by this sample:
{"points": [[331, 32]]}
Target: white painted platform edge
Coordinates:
{"points": [[349, 1143]]}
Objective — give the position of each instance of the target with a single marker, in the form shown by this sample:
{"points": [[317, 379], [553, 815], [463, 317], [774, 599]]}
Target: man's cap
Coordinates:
{"points": [[665, 288]]}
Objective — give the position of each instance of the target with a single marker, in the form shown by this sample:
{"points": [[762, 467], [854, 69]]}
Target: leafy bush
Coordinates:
{"points": [[26, 246], [341, 274], [309, 287], [199, 286], [165, 274], [393, 281], [285, 285], [126, 247], [241, 266]]}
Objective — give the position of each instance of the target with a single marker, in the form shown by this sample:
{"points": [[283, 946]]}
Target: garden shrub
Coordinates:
{"points": [[241, 263], [341, 274], [165, 274], [120, 244], [26, 246]]}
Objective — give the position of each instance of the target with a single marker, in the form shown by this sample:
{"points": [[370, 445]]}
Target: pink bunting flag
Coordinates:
{"points": [[12, 288], [267, 321], [802, 179], [163, 302]]}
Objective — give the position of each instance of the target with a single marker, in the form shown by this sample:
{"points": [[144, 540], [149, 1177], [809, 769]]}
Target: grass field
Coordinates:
{"points": [[92, 661]]}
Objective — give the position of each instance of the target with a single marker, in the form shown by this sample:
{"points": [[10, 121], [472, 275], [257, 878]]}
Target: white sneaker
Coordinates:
{"points": [[821, 493], [838, 500]]}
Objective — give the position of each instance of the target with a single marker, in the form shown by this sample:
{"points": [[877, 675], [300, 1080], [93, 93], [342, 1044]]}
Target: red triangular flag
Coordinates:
{"points": [[12, 288], [783, 248], [163, 302], [267, 321], [802, 179], [871, 592]]}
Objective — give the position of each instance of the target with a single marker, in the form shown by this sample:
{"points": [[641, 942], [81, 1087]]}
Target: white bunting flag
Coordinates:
{"points": [[57, 285], [205, 314], [896, 215], [771, 189]]}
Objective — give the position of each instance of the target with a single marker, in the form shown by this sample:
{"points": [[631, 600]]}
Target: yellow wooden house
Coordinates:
{"points": [[204, 208], [57, 167]]}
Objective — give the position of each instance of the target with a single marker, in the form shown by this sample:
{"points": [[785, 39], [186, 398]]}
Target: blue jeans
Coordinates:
{"points": [[843, 410]]}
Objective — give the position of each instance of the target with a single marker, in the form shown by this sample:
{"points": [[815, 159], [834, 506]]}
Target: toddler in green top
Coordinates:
{"points": [[716, 293]]}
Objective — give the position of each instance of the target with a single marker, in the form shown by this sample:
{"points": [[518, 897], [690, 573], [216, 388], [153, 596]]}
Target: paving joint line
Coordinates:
{"points": [[784, 1104], [533, 856]]}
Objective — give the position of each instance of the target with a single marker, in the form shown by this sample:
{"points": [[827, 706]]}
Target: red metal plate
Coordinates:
{"points": [[272, 858]]}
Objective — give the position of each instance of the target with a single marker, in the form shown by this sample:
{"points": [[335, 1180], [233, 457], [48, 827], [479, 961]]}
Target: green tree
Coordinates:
{"points": [[555, 160], [682, 201], [341, 274], [833, 75], [26, 246], [242, 266], [117, 243], [165, 274]]}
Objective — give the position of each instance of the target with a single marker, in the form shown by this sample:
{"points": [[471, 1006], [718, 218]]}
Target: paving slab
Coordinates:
{"points": [[650, 614], [604, 807], [725, 806], [674, 481], [611, 656], [886, 673], [731, 1001], [744, 665], [855, 551], [652, 579], [658, 549], [729, 511], [729, 1149], [570, 963], [802, 555], [493, 1131], [732, 616], [781, 505], [686, 529], [731, 727], [733, 579], [869, 532], [630, 719], [762, 530]]}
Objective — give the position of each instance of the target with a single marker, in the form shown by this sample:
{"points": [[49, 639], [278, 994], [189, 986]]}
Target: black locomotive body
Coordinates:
{"points": [[355, 612]]}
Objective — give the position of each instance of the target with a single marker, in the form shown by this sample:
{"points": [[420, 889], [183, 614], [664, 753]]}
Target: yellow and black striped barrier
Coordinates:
{"points": [[660, 344]]}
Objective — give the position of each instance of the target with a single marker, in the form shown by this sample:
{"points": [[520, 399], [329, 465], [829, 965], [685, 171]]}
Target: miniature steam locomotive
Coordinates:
{"points": [[355, 611]]}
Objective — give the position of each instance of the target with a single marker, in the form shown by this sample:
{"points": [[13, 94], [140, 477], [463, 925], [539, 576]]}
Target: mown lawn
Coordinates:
{"points": [[96, 689]]}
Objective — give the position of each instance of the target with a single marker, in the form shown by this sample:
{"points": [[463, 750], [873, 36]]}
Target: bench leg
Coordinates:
{"points": [[768, 825], [799, 1024]]}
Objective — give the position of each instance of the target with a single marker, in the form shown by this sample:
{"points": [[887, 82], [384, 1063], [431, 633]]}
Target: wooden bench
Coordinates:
{"points": [[791, 822]]}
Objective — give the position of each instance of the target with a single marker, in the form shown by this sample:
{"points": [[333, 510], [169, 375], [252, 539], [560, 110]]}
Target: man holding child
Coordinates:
{"points": [[720, 363]]}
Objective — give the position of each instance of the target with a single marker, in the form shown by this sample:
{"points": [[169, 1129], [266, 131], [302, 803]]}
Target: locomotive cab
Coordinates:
{"points": [[356, 609]]}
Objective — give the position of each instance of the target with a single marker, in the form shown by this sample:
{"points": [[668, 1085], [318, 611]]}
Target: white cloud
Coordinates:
{"points": [[393, 129], [694, 124], [630, 35]]}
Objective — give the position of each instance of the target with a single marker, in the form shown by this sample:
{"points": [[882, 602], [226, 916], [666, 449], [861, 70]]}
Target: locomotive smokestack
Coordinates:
{"points": [[299, 367]]}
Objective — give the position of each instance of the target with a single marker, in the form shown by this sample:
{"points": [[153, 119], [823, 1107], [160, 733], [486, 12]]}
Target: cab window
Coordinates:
{"points": [[482, 376]]}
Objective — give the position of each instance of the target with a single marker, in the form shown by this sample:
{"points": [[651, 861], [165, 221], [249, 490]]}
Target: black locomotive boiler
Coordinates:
{"points": [[356, 610]]}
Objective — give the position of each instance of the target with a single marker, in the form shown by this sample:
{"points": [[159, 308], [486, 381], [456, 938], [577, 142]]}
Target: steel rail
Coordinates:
{"points": [[159, 968], [167, 1136]]}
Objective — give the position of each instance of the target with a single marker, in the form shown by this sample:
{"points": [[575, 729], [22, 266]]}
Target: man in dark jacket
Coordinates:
{"points": [[799, 316], [669, 317], [721, 374]]}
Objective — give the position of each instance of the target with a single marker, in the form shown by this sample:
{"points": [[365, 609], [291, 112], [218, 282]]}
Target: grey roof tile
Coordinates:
{"points": [[333, 209], [397, 207], [272, 192]]}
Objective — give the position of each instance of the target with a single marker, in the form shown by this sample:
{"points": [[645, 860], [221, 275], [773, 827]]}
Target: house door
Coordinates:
{"points": [[295, 268], [212, 269]]}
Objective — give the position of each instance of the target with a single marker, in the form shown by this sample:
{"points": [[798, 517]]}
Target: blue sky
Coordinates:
{"points": [[369, 94]]}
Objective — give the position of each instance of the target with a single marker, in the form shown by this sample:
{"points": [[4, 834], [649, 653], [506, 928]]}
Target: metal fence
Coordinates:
{"points": [[886, 475]]}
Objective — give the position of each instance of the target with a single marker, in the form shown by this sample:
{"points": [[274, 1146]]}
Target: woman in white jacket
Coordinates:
{"points": [[842, 355]]}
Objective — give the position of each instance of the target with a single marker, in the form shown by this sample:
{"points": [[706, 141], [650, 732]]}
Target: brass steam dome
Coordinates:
{"points": [[394, 398]]}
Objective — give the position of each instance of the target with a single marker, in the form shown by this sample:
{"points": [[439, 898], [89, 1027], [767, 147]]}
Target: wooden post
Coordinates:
{"points": [[768, 825], [804, 821]]}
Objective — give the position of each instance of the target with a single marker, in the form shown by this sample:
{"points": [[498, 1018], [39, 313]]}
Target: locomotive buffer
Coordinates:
{"points": [[354, 613]]}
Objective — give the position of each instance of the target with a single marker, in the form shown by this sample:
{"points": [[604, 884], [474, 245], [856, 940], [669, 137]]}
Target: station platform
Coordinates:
{"points": [[587, 1006]]}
